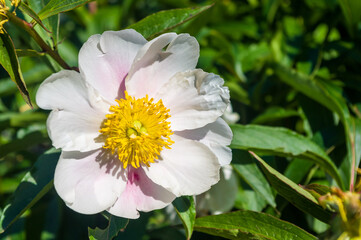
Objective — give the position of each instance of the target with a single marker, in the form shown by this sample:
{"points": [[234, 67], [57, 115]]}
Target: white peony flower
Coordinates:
{"points": [[138, 126]]}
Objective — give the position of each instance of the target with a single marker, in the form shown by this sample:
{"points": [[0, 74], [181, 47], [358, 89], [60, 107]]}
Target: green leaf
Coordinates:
{"points": [[329, 95], [274, 114], [163, 21], [27, 10], [295, 194], [186, 211], [115, 225], [281, 142], [250, 225], [57, 6], [244, 165], [351, 10], [36, 183], [10, 62]]}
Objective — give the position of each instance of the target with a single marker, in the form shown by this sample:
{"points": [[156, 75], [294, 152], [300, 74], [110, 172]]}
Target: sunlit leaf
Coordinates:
{"points": [[295, 194], [250, 225], [165, 20], [185, 207], [57, 6], [281, 142], [26, 9]]}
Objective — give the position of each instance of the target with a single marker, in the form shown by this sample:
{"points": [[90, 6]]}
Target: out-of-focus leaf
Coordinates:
{"points": [[298, 169], [10, 62], [31, 139], [57, 6], [248, 199], [250, 225], [282, 142], [165, 20], [115, 225], [295, 194], [26, 9], [36, 183], [37, 74], [244, 165], [351, 10], [274, 114], [11, 119], [186, 211]]}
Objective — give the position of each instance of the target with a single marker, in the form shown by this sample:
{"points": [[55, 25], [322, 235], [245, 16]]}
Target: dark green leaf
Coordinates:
{"points": [[282, 142], [26, 9], [115, 225], [186, 211], [274, 114], [295, 194], [10, 62], [250, 225], [165, 20], [328, 95], [57, 6], [31, 139], [351, 10], [244, 165], [36, 183]]}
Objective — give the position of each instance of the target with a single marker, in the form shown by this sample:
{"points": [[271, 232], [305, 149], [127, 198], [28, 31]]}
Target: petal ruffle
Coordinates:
{"points": [[154, 67], [77, 112], [188, 168], [217, 136], [89, 182], [140, 194], [105, 60], [195, 98]]}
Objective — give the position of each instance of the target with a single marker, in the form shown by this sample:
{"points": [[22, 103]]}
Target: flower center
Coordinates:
{"points": [[137, 130]]}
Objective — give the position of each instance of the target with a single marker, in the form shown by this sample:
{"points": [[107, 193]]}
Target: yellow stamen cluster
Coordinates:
{"points": [[137, 130], [3, 17], [347, 205]]}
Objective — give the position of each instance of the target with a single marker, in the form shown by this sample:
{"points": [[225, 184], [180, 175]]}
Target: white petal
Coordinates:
{"points": [[221, 197], [195, 98], [77, 111], [217, 136], [140, 194], [105, 60], [188, 168], [154, 67], [89, 182]]}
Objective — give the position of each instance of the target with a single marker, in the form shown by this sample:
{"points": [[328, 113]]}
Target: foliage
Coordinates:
{"points": [[294, 77]]}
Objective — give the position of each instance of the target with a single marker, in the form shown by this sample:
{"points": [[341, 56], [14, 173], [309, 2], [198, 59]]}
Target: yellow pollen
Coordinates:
{"points": [[137, 130]]}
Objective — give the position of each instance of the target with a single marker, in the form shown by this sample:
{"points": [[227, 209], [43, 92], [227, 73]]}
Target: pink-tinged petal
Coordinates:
{"points": [[78, 111], [195, 98], [188, 168], [217, 136], [89, 182], [140, 194], [105, 60], [154, 67]]}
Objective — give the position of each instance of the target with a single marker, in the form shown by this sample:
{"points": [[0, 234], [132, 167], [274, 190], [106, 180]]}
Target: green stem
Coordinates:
{"points": [[45, 47]]}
